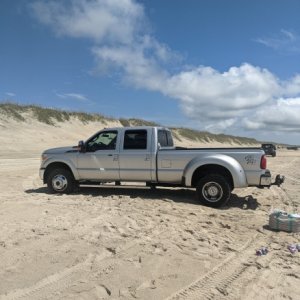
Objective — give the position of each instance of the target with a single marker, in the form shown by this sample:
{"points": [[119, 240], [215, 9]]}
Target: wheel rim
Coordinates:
{"points": [[212, 192], [59, 183]]}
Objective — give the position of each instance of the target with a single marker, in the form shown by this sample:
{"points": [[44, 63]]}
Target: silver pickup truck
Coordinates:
{"points": [[147, 154]]}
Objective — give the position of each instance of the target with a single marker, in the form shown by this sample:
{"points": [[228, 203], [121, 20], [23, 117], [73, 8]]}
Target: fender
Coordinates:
{"points": [[67, 162], [231, 164]]}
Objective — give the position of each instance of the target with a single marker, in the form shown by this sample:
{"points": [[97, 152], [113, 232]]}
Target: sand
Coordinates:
{"points": [[131, 242]]}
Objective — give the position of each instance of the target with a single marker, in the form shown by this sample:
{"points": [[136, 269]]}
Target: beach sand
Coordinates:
{"points": [[131, 242]]}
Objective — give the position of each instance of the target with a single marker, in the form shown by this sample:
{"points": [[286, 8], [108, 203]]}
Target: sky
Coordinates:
{"points": [[223, 66]]}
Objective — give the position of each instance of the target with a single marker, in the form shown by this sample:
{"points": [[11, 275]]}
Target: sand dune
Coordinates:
{"points": [[131, 242]]}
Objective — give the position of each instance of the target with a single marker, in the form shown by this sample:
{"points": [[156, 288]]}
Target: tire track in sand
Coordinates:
{"points": [[55, 284], [51, 284], [214, 284]]}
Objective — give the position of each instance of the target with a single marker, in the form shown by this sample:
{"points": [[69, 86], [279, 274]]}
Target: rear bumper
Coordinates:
{"points": [[266, 180]]}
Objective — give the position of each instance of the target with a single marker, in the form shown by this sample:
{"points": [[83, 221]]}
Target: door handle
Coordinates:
{"points": [[109, 155], [147, 157]]}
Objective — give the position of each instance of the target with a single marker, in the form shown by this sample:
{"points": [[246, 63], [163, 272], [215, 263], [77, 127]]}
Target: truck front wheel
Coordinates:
{"points": [[213, 190], [60, 181]]}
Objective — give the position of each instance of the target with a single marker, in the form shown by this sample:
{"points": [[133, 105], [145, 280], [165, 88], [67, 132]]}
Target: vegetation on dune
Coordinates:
{"points": [[139, 122], [12, 110], [175, 134], [124, 122], [203, 136], [46, 115], [192, 135], [51, 116], [136, 122], [85, 117]]}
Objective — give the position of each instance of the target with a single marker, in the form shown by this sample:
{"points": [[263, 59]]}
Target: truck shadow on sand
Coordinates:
{"points": [[177, 195]]}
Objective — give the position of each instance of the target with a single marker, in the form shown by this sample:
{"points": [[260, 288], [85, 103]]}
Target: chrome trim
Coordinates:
{"points": [[265, 180], [98, 169], [212, 191], [59, 182]]}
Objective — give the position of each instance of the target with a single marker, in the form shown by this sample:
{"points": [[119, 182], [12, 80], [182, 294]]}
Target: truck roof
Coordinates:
{"points": [[138, 127]]}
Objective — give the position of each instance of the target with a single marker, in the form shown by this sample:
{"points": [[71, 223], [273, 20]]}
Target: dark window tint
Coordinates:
{"points": [[170, 139], [135, 139], [162, 138], [165, 138]]}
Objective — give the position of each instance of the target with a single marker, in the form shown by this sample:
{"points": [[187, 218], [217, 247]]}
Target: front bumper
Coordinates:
{"points": [[41, 173]]}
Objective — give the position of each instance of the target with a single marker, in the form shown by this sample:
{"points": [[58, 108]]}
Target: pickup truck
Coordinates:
{"points": [[269, 149], [147, 154]]}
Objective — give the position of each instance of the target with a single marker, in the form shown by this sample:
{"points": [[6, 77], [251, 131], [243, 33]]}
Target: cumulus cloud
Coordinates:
{"points": [[291, 87], [216, 100], [102, 20], [283, 115], [227, 94]]}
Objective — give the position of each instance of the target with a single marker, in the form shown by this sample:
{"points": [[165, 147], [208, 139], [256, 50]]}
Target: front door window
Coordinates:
{"points": [[103, 141]]}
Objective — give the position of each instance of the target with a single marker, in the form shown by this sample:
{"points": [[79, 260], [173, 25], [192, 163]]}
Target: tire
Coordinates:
{"points": [[61, 181], [213, 190]]}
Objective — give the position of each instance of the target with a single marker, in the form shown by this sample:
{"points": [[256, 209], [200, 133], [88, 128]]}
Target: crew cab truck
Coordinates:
{"points": [[147, 154]]}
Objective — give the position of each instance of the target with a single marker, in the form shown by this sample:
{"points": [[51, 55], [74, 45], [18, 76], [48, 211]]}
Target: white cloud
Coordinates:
{"points": [[220, 126], [139, 70], [102, 20], [224, 94], [75, 96], [283, 116], [243, 96], [291, 87], [285, 41], [9, 94]]}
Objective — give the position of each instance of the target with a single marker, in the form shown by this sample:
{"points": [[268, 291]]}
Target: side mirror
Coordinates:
{"points": [[81, 146]]}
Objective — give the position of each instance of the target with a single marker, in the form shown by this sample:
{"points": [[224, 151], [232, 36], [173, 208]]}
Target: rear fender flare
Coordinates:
{"points": [[228, 162]]}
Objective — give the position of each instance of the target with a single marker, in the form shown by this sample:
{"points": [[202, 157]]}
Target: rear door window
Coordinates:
{"points": [[165, 138], [135, 140], [162, 138]]}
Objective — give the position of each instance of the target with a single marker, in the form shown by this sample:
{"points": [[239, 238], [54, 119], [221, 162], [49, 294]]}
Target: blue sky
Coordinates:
{"points": [[225, 66]]}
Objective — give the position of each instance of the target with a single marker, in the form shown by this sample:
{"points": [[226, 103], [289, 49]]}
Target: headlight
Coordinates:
{"points": [[43, 157]]}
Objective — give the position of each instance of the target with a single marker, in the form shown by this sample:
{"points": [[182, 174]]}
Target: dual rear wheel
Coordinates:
{"points": [[213, 190]]}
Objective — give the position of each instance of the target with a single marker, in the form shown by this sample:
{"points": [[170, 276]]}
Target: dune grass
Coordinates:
{"points": [[12, 110], [46, 115], [140, 122], [203, 136], [53, 116]]}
